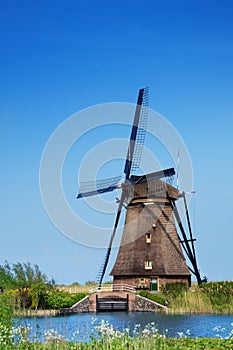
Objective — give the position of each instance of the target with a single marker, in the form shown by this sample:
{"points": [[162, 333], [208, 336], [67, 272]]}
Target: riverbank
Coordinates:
{"points": [[38, 313], [56, 313], [210, 298]]}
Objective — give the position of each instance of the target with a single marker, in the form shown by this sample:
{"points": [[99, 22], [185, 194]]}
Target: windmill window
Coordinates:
{"points": [[148, 237], [148, 265]]}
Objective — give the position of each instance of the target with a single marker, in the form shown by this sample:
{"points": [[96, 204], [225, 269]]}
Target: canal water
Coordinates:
{"points": [[82, 326]]}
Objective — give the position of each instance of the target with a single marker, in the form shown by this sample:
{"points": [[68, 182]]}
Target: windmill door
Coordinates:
{"points": [[154, 284]]}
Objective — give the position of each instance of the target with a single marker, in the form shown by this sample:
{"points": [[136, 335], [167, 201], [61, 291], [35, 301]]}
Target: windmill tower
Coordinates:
{"points": [[151, 253]]}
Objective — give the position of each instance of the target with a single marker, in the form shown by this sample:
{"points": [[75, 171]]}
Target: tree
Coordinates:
{"points": [[26, 275], [38, 293], [30, 282], [6, 277]]}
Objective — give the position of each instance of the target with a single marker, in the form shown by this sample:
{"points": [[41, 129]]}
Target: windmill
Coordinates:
{"points": [[150, 250]]}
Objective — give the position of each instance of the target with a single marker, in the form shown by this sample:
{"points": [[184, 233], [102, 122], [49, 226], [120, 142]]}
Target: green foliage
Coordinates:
{"points": [[127, 343], [220, 295], [211, 297], [31, 288], [21, 275], [158, 298], [77, 297], [59, 299], [6, 319], [7, 280], [26, 275], [38, 294], [6, 309], [173, 290], [30, 284]]}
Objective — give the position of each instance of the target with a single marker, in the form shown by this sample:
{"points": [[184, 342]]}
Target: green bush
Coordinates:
{"points": [[157, 298], [77, 296], [6, 309], [6, 319], [59, 299], [173, 290], [170, 292]]}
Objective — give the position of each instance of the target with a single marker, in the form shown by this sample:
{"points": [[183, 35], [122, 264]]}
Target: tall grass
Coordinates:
{"points": [[75, 288], [214, 297], [192, 301]]}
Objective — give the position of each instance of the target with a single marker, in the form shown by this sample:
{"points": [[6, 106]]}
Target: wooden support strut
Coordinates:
{"points": [[190, 254]]}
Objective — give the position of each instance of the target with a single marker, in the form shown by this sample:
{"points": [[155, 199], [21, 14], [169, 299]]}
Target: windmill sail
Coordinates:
{"points": [[158, 198], [138, 133], [139, 114], [141, 132], [134, 154], [92, 188]]}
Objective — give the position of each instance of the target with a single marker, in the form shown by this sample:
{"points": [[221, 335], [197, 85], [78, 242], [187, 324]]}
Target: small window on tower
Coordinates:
{"points": [[148, 265], [148, 237]]}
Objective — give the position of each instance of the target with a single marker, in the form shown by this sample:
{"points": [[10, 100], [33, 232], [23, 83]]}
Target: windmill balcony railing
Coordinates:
{"points": [[113, 288]]}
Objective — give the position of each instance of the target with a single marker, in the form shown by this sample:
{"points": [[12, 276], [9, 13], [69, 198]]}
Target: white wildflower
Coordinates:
{"points": [[181, 334], [53, 336]]}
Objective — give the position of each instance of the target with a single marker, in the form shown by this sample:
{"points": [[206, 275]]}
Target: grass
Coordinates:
{"points": [[143, 344], [192, 301], [75, 288], [209, 298]]}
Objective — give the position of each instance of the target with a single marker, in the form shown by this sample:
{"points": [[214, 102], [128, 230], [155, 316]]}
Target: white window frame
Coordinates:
{"points": [[148, 265], [148, 237]]}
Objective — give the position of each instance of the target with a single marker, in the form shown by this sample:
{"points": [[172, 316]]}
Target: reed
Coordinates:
{"points": [[75, 288], [214, 297], [191, 301]]}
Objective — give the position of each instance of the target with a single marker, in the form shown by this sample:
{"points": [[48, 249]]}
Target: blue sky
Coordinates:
{"points": [[60, 57]]}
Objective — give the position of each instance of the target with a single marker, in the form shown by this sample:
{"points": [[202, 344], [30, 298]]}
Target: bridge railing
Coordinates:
{"points": [[113, 288]]}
